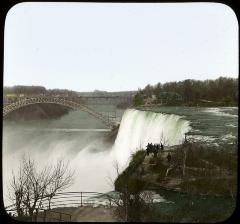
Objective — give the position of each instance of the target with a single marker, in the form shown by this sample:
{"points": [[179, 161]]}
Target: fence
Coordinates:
{"points": [[47, 211], [77, 199], [51, 216]]}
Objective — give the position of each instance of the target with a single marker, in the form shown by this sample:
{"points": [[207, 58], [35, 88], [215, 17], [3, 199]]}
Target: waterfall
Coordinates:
{"points": [[138, 128]]}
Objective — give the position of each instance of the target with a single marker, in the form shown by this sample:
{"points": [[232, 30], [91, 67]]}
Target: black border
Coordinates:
{"points": [[8, 4]]}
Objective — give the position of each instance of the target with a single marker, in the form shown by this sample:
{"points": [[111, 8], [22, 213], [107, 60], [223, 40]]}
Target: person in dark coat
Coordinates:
{"points": [[155, 150], [158, 147], [151, 146], [148, 149], [161, 147], [185, 140], [169, 157]]}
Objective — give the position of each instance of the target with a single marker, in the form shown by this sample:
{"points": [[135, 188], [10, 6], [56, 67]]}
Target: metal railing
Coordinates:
{"points": [[63, 200], [48, 215]]}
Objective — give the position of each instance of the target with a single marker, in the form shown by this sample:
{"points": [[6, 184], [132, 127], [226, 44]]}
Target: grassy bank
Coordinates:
{"points": [[198, 182]]}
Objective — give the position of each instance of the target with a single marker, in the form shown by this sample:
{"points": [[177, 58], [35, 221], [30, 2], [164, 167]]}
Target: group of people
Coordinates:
{"points": [[154, 148]]}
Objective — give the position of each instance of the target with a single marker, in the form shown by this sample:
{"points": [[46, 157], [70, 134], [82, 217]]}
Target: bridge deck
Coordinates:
{"points": [[8, 108]]}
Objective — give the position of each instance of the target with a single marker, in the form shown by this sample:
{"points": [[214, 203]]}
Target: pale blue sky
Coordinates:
{"points": [[116, 47]]}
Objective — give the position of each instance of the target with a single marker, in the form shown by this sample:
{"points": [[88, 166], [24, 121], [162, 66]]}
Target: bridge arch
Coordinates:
{"points": [[56, 100]]}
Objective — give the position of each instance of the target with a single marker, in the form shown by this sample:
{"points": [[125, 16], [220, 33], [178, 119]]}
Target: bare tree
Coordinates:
{"points": [[17, 185], [31, 185], [60, 179], [130, 201], [163, 140], [116, 168], [35, 184]]}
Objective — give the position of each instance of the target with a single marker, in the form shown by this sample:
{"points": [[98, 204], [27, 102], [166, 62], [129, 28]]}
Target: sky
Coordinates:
{"points": [[118, 46]]}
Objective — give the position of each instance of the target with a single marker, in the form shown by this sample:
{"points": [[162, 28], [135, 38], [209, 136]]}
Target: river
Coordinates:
{"points": [[79, 138]]}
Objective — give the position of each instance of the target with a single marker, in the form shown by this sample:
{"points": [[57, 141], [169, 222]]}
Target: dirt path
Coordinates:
{"points": [[90, 214]]}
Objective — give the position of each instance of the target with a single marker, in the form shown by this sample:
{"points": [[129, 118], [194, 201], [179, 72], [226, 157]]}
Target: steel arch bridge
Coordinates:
{"points": [[60, 101]]}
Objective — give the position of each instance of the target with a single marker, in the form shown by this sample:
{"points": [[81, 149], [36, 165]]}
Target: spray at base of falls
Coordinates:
{"points": [[138, 128], [90, 157]]}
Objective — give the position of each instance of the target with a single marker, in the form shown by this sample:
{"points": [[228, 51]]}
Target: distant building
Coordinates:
{"points": [[205, 101], [150, 100], [9, 98], [154, 97], [11, 95]]}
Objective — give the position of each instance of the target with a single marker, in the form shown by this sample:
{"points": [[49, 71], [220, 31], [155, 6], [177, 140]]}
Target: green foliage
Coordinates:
{"points": [[35, 90], [133, 185], [191, 208], [210, 186], [133, 207], [205, 196], [128, 177], [28, 90], [138, 100], [220, 92], [224, 158], [137, 158]]}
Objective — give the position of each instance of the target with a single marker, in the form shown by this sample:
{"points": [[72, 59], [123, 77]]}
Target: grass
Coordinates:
{"points": [[130, 177], [185, 208], [206, 194]]}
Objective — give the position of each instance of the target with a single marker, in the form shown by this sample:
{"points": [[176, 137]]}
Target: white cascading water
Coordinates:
{"points": [[93, 161], [138, 128]]}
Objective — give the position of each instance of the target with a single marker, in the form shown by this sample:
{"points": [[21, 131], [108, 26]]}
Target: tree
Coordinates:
{"points": [[222, 90], [138, 99], [31, 185], [131, 204], [61, 178]]}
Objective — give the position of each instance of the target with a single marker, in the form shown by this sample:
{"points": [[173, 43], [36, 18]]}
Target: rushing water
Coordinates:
{"points": [[216, 126], [79, 138], [138, 128]]}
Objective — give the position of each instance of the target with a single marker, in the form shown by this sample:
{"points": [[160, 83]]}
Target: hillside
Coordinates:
{"points": [[199, 183]]}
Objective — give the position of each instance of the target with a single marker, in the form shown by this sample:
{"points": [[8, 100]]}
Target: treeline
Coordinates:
{"points": [[24, 90], [36, 90], [220, 92]]}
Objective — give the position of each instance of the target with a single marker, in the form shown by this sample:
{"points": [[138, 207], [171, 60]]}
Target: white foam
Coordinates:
{"points": [[228, 137], [231, 125], [138, 128], [201, 138], [220, 112]]}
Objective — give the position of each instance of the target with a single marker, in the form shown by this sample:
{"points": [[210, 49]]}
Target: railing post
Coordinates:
{"points": [[81, 198], [44, 216], [110, 202], [60, 217]]}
